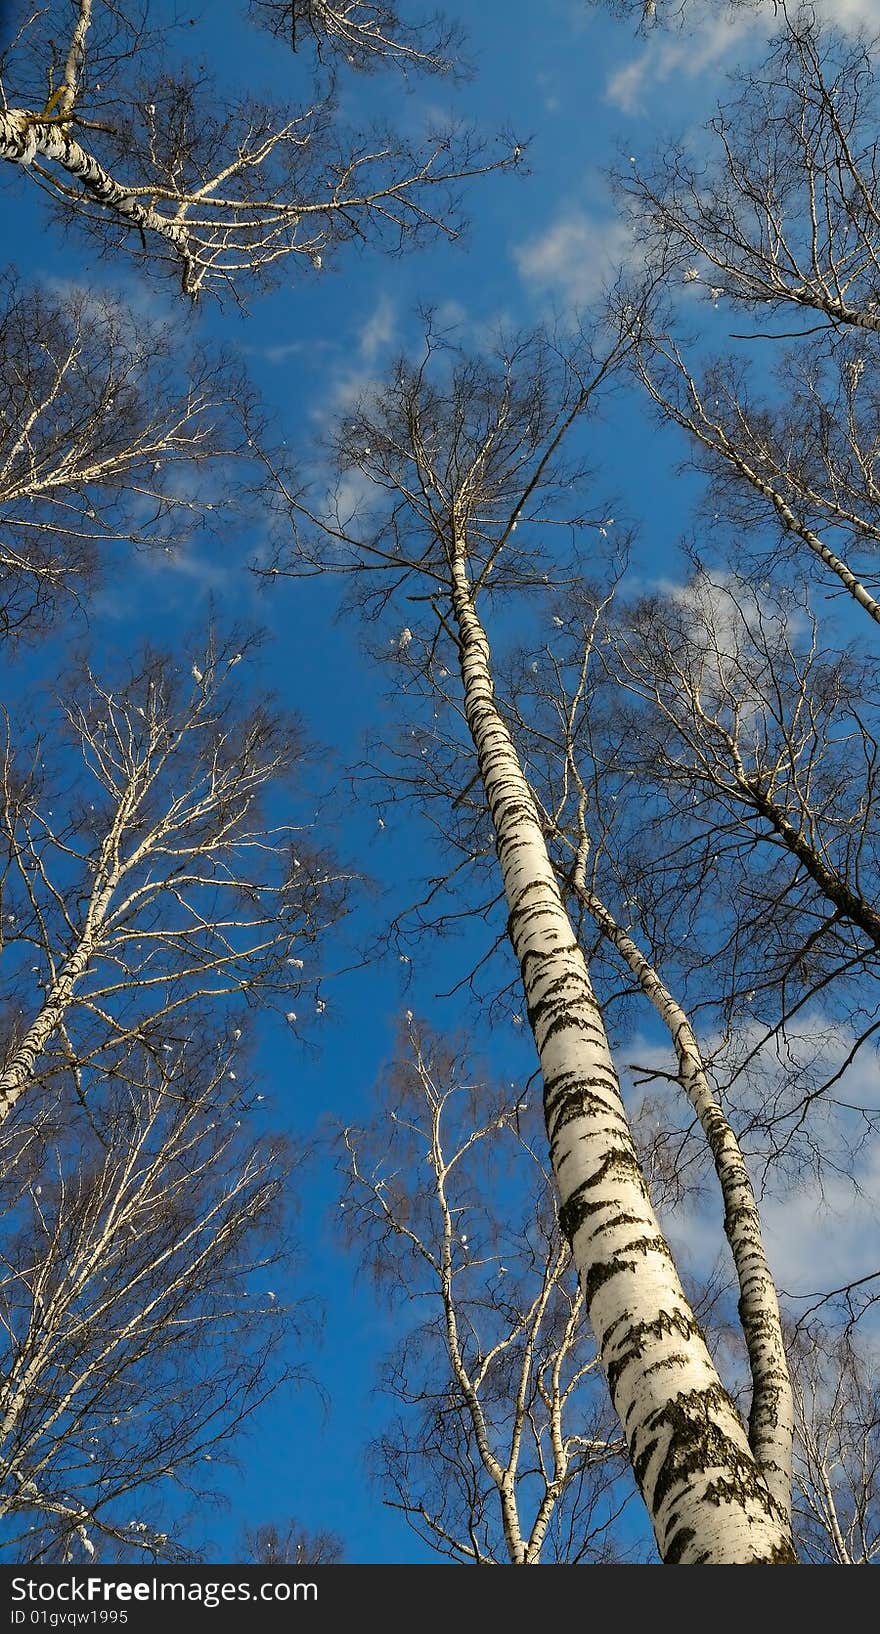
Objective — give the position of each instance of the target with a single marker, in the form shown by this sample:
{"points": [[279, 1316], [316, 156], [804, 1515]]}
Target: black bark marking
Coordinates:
{"points": [[620, 1161], [676, 1546]]}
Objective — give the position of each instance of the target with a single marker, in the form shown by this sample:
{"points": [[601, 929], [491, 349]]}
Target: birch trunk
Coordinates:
{"points": [[18, 1072], [23, 135], [771, 1420], [707, 1499]]}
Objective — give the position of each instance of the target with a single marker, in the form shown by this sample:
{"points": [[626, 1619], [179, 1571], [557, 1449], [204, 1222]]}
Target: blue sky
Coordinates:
{"points": [[582, 90]]}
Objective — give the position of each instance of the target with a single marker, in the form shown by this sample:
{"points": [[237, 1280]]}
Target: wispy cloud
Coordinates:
{"points": [[711, 45], [173, 581], [850, 14], [152, 304], [379, 330], [575, 258], [689, 55], [360, 370], [356, 375], [353, 498], [281, 351]]}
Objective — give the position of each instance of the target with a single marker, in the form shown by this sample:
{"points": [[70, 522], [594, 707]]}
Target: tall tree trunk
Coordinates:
{"points": [[771, 1420], [706, 1496]]}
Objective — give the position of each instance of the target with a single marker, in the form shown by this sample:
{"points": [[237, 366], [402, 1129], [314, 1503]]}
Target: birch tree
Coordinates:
{"points": [[712, 763], [110, 438], [502, 1451], [290, 1544], [836, 1464], [775, 223], [567, 819], [144, 152], [792, 477], [775, 732], [580, 752], [781, 214], [143, 1241], [157, 890], [469, 454], [595, 782], [759, 678], [673, 14], [366, 35], [593, 776]]}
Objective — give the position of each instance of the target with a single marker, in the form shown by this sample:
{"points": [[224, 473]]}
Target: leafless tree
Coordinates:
{"points": [[141, 150], [650, 14], [777, 216], [568, 818], [724, 653], [366, 34], [157, 888], [792, 477], [109, 437], [755, 752], [140, 1327], [592, 794], [503, 1451], [837, 1450], [290, 1545], [781, 214], [468, 451], [754, 755]]}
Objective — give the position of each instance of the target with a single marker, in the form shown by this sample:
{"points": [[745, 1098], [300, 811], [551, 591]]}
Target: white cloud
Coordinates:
{"points": [[353, 498], [736, 629], [688, 55], [818, 1238], [692, 54], [359, 374], [819, 1229], [127, 293], [450, 314], [849, 14], [575, 258], [278, 354], [375, 336], [281, 351], [173, 581], [378, 331], [822, 1237]]}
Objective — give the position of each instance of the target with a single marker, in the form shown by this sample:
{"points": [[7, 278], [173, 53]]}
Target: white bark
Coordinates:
{"points": [[243, 219], [706, 1496], [24, 135], [18, 1073], [771, 1420], [66, 97]]}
